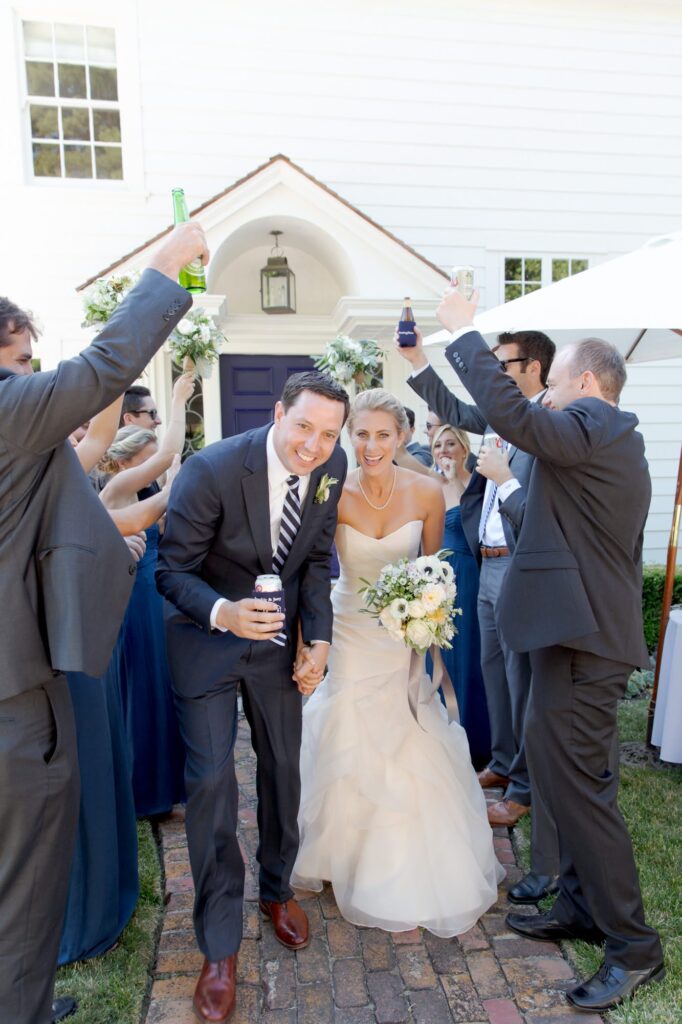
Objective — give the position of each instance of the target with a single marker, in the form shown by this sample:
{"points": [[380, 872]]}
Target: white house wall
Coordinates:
{"points": [[470, 130]]}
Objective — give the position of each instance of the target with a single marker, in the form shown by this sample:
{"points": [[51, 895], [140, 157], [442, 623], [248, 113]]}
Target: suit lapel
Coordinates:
{"points": [[257, 497]]}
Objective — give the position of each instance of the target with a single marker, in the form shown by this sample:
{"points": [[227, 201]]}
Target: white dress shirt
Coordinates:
{"points": [[277, 490]]}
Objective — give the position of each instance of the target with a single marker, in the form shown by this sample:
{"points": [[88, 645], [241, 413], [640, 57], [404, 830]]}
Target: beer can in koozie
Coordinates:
{"points": [[269, 588]]}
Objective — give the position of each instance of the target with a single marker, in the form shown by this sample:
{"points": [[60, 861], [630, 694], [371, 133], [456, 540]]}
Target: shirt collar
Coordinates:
{"points": [[277, 471]]}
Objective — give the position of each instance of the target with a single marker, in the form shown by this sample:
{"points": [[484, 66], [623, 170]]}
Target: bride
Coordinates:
{"points": [[391, 811]]}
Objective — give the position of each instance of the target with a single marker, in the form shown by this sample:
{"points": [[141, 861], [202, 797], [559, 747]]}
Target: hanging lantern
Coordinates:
{"points": [[277, 282]]}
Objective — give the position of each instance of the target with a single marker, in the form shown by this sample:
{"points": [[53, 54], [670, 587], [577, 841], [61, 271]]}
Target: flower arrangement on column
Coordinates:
{"points": [[194, 342], [352, 362]]}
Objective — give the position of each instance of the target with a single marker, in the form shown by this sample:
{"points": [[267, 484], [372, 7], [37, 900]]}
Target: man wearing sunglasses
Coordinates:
{"points": [[492, 511], [139, 409]]}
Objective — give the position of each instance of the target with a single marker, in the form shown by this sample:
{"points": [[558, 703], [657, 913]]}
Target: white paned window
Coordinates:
{"points": [[523, 274], [73, 107]]}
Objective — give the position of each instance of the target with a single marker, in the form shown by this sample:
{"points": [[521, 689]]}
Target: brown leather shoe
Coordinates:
{"points": [[506, 813], [488, 779], [289, 921], [214, 996]]}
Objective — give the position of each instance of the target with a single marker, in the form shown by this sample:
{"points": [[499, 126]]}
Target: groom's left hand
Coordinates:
{"points": [[310, 667]]}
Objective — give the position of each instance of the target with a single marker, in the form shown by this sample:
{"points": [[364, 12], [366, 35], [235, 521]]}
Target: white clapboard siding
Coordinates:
{"points": [[470, 130]]}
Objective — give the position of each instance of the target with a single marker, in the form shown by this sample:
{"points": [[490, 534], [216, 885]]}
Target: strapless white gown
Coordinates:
{"points": [[391, 813]]}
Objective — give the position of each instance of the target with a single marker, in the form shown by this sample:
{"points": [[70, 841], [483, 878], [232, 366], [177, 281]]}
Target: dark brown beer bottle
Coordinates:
{"points": [[406, 336]]}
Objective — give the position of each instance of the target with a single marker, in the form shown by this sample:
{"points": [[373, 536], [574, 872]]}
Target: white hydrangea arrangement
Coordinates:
{"points": [[414, 601], [194, 341], [105, 296], [348, 360]]}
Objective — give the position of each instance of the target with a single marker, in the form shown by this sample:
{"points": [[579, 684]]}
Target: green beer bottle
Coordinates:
{"points": [[193, 276]]}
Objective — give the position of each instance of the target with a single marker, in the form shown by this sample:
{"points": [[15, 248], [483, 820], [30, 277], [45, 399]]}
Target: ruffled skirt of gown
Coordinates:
{"points": [[391, 813]]}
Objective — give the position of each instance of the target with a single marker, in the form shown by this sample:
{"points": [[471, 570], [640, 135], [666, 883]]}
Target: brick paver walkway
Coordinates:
{"points": [[351, 975]]}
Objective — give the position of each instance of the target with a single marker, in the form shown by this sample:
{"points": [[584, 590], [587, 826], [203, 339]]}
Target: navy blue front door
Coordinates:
{"points": [[250, 386]]}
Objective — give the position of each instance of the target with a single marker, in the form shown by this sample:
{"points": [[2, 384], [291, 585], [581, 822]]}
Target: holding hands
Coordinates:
{"points": [[309, 669]]}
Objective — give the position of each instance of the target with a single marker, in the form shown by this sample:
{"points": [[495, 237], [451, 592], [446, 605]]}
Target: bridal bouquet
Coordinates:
{"points": [[105, 295], [194, 340], [414, 601], [348, 360]]}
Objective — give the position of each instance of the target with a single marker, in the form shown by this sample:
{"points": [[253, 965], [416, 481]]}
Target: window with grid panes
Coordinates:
{"points": [[523, 274], [73, 108]]}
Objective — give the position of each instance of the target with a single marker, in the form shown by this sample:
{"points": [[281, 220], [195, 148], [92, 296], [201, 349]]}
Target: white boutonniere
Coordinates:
{"points": [[323, 489]]}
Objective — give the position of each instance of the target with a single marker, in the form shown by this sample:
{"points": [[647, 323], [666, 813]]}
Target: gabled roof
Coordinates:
{"points": [[237, 184]]}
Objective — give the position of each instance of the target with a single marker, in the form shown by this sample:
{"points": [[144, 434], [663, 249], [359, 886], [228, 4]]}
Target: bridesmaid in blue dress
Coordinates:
{"points": [[103, 887], [135, 460], [450, 452]]}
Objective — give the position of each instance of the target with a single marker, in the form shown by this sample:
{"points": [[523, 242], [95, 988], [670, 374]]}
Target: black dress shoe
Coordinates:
{"points": [[610, 986], [63, 1008], [546, 929], [532, 888]]}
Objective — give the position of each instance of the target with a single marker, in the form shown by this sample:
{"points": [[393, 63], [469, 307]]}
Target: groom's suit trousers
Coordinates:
{"points": [[208, 723]]}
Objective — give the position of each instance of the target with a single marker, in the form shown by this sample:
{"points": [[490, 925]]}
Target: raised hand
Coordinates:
{"points": [[413, 354], [186, 242], [455, 311]]}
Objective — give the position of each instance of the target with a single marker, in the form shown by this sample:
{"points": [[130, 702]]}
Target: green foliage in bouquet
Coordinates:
{"points": [[105, 296], [348, 360]]}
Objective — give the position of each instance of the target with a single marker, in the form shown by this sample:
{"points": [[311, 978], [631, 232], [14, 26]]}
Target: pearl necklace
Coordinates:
{"points": [[378, 508]]}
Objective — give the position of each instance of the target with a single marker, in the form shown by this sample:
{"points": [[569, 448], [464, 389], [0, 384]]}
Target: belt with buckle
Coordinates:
{"points": [[494, 552]]}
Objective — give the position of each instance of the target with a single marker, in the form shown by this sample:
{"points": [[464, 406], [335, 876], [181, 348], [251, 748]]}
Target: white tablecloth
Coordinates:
{"points": [[667, 732]]}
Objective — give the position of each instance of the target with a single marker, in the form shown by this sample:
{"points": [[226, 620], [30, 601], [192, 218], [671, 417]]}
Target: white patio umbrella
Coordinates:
{"points": [[634, 301]]}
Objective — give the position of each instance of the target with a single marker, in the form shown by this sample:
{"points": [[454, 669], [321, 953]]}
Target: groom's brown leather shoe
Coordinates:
{"points": [[214, 996], [488, 778], [289, 921]]}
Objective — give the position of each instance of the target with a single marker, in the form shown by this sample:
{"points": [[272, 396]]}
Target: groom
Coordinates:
{"points": [[261, 502]]}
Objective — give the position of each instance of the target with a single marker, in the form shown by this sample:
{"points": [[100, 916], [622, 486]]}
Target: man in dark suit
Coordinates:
{"points": [[418, 451], [65, 578], [572, 599], [230, 519], [492, 511]]}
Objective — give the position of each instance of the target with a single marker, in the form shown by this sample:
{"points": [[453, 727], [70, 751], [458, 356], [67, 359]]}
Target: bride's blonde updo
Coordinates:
{"points": [[379, 400], [126, 445]]}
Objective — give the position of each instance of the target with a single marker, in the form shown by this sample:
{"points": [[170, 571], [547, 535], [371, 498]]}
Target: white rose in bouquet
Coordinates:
{"points": [[185, 327], [433, 596], [416, 610], [419, 633]]}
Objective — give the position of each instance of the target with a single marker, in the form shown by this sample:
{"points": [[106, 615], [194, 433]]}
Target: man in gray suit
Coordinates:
{"points": [[492, 511], [65, 578], [572, 599]]}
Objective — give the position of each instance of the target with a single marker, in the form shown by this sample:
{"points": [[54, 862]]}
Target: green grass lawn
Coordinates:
{"points": [[651, 803], [112, 989]]}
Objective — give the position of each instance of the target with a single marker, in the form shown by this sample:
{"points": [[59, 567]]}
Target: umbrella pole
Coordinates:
{"points": [[667, 597]]}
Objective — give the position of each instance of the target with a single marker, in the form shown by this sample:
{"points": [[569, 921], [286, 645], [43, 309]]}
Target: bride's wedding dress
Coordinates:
{"points": [[391, 813]]}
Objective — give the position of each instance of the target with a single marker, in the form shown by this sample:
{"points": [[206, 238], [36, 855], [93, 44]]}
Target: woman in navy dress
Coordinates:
{"points": [[103, 886], [136, 460], [450, 452]]}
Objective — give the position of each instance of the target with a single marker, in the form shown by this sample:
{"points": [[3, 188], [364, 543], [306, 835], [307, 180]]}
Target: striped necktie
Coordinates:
{"points": [[490, 504], [289, 527]]}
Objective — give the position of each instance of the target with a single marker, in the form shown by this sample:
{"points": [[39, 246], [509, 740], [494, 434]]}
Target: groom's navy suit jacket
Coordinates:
{"points": [[217, 540]]}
